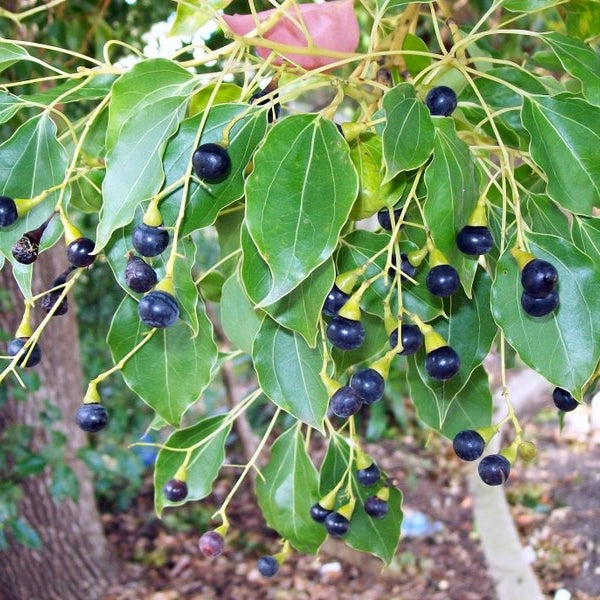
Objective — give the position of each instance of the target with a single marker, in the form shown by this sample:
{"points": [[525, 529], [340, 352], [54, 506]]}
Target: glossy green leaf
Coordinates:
{"points": [[582, 18], [147, 104], [415, 63], [71, 90], [565, 132], [9, 106], [298, 197], [288, 372], [376, 536], [191, 15], [526, 5], [10, 54], [285, 490], [580, 61], [563, 346], [585, 232], [543, 215], [172, 369], [408, 135], [211, 434], [452, 192]]}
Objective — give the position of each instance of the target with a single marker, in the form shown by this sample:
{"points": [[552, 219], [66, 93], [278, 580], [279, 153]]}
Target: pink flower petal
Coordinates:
{"points": [[332, 26]]}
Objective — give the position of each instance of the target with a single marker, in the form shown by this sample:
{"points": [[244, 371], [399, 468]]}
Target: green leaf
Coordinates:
{"points": [[24, 534], [9, 106], [96, 88], [415, 63], [10, 54], [285, 490], [205, 462], [64, 483], [172, 369], [565, 132], [298, 197], [586, 236], [580, 61], [526, 5], [288, 372], [563, 346], [377, 536], [582, 18], [452, 192], [408, 135], [543, 215], [147, 104], [191, 15]]}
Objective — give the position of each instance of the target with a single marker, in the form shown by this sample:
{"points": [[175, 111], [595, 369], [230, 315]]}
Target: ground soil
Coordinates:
{"points": [[555, 502]]}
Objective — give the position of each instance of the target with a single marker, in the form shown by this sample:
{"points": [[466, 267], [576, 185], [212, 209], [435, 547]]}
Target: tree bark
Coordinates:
{"points": [[75, 561]]}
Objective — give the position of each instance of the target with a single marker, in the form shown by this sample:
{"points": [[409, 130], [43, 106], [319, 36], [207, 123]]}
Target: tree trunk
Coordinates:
{"points": [[74, 561]]}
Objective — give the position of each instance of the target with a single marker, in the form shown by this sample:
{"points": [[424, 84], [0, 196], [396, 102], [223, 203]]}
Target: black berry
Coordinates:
{"points": [[175, 490], [442, 363], [8, 211], [35, 356], [148, 240], [563, 400], [260, 99], [474, 240], [267, 566], [50, 299], [369, 384], [91, 417], [25, 250], [334, 301], [336, 525], [345, 334], [211, 162], [158, 309], [376, 507], [78, 252], [318, 513], [539, 307], [539, 278], [468, 444], [441, 101], [383, 218], [140, 277], [442, 280], [369, 476], [494, 469], [412, 339], [345, 402], [211, 544]]}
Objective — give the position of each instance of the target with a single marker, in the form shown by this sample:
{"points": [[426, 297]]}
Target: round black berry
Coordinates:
{"points": [[539, 307], [563, 400], [345, 402], [441, 101], [442, 363], [376, 507], [50, 299], [369, 385], [14, 347], [211, 162], [148, 240], [175, 490], [383, 218], [412, 339], [318, 513], [334, 301], [336, 525], [539, 278], [442, 280], [468, 444], [140, 277], [369, 476], [25, 250], [211, 544], [345, 334], [267, 566], [78, 252], [494, 469], [259, 98], [474, 240], [158, 309], [91, 417], [8, 211]]}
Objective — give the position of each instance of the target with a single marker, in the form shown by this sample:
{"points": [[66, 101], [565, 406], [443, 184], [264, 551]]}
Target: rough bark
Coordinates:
{"points": [[74, 561]]}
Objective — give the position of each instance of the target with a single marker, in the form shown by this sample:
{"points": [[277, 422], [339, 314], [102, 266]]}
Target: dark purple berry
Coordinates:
{"points": [[369, 384], [175, 490], [8, 211], [494, 469], [376, 507], [441, 101], [318, 513], [140, 277], [91, 417], [474, 240], [158, 309], [25, 250], [412, 339], [336, 525], [468, 444], [406, 268], [539, 307], [79, 252], [383, 218], [442, 280], [148, 240], [369, 476], [334, 301], [50, 299], [211, 544], [262, 99], [267, 566], [563, 400], [345, 402], [211, 162], [539, 278], [442, 363], [35, 356], [345, 334]]}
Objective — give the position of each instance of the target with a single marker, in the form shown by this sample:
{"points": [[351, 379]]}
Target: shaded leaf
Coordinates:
{"points": [[191, 15]]}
